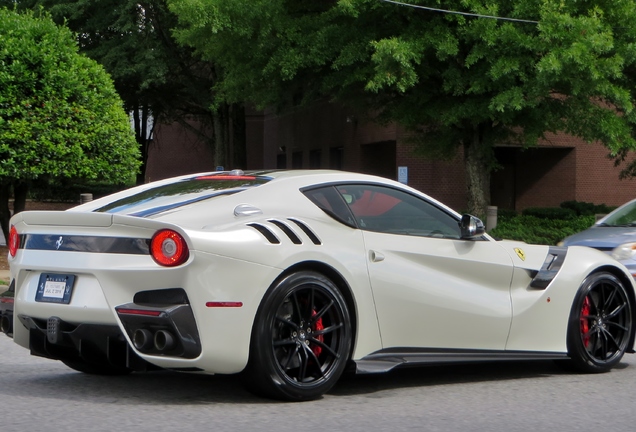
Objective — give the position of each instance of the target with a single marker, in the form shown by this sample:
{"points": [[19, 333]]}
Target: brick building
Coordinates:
{"points": [[329, 136]]}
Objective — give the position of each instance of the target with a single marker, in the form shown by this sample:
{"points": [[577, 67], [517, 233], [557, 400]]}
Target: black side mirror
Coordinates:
{"points": [[471, 227]]}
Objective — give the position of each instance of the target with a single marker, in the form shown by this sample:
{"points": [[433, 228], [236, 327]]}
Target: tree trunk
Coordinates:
{"points": [[221, 136], [141, 117], [478, 163], [20, 191], [239, 150]]}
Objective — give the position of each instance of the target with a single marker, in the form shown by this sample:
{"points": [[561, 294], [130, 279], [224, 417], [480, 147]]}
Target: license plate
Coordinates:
{"points": [[55, 288]]}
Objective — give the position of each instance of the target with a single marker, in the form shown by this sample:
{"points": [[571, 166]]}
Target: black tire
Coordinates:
{"points": [[600, 325], [95, 369], [301, 339]]}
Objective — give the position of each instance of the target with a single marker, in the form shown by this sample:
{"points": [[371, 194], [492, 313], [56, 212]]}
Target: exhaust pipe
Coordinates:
{"points": [[164, 341], [6, 325], [142, 339]]}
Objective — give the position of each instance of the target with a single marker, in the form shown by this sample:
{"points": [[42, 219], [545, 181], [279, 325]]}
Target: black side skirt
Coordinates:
{"points": [[388, 359]]}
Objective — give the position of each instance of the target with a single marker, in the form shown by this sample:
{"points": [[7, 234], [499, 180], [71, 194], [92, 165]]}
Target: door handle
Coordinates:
{"points": [[376, 256]]}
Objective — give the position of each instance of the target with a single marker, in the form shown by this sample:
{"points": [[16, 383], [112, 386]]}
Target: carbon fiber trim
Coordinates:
{"points": [[388, 359], [551, 266], [95, 244]]}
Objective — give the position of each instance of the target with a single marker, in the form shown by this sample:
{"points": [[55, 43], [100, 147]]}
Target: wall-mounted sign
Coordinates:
{"points": [[403, 174]]}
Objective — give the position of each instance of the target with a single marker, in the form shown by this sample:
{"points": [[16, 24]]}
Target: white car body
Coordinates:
{"points": [[413, 298]]}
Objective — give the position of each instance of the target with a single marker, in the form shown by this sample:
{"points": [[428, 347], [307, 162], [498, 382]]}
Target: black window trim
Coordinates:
{"points": [[334, 184]]}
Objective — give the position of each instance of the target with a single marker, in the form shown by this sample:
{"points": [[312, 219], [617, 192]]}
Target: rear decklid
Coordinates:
{"points": [[74, 231]]}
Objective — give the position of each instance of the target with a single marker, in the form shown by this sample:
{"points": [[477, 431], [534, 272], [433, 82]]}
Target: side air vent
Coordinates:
{"points": [[312, 236], [287, 230], [270, 236], [551, 266]]}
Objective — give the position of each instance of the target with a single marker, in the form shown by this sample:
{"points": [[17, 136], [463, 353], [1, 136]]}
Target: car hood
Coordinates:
{"points": [[600, 237]]}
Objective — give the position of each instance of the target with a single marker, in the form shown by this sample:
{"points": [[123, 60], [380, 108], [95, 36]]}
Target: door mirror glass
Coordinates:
{"points": [[471, 227]]}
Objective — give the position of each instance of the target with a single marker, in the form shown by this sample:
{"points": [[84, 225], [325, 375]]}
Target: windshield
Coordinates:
{"points": [[183, 192], [622, 216]]}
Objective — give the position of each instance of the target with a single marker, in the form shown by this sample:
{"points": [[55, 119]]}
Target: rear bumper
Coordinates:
{"points": [[99, 345], [6, 310]]}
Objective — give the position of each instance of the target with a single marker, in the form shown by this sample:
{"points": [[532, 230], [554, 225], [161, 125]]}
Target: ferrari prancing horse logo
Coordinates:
{"points": [[521, 254]]}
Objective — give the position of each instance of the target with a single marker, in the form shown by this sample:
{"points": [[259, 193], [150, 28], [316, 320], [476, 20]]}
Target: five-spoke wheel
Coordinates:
{"points": [[600, 324], [301, 339]]}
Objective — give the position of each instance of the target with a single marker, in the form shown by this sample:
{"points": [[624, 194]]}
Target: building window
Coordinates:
{"points": [[336, 157], [314, 159], [297, 160]]}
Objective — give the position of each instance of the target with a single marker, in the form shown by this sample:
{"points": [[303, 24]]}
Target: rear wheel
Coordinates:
{"points": [[600, 325], [301, 339]]}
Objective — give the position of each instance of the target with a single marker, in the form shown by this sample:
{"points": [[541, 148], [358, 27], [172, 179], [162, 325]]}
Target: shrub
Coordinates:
{"points": [[550, 213], [67, 191], [504, 213], [582, 208], [536, 230]]}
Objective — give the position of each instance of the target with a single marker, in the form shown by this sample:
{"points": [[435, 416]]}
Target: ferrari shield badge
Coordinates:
{"points": [[521, 254]]}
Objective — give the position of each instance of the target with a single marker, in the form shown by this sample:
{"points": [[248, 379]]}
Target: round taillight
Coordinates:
{"points": [[14, 241], [168, 248]]}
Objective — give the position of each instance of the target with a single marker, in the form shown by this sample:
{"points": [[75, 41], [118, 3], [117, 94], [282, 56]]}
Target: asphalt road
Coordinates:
{"points": [[43, 395]]}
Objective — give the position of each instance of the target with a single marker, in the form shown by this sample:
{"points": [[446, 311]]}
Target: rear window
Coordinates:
{"points": [[180, 193]]}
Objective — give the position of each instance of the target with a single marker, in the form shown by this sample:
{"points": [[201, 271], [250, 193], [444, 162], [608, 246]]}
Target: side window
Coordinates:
{"points": [[388, 210], [330, 201]]}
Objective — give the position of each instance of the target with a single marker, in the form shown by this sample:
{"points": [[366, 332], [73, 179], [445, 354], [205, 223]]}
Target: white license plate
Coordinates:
{"points": [[55, 288]]}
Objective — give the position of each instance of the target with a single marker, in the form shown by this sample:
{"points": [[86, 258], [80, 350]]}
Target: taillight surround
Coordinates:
{"points": [[168, 248], [14, 241]]}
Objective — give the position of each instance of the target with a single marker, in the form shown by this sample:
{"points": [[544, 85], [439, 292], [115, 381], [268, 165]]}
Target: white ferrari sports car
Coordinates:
{"points": [[290, 277]]}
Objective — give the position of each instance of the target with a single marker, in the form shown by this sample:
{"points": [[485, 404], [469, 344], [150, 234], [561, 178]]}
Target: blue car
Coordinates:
{"points": [[614, 234]]}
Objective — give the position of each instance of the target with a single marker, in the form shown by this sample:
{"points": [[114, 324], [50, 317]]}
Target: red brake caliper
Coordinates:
{"points": [[317, 349], [585, 323]]}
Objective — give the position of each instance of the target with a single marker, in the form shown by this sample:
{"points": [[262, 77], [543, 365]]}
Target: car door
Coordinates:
{"points": [[431, 288]]}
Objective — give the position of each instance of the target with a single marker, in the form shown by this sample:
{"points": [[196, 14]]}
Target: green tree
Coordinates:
{"points": [[159, 80], [456, 81], [60, 116]]}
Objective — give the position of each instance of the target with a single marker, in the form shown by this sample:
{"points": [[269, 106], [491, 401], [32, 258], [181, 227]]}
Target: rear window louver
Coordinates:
{"points": [[287, 230]]}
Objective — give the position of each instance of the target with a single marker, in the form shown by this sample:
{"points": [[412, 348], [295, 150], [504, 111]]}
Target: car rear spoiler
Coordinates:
{"points": [[72, 218]]}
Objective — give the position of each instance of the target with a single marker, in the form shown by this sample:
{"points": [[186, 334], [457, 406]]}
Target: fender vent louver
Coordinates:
{"points": [[551, 267], [312, 236], [287, 230], [270, 236]]}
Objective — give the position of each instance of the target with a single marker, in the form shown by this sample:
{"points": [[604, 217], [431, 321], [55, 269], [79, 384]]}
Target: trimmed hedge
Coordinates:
{"points": [[548, 225], [550, 213], [70, 191], [537, 230], [585, 208]]}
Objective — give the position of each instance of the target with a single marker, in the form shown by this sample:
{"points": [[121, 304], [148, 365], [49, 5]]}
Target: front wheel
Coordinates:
{"points": [[600, 324], [301, 339]]}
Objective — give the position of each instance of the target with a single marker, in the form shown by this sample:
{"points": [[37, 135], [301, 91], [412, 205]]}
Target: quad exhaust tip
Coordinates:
{"points": [[142, 339], [5, 325], [162, 340]]}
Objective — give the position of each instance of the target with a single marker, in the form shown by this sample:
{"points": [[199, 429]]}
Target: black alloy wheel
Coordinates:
{"points": [[601, 323], [301, 339]]}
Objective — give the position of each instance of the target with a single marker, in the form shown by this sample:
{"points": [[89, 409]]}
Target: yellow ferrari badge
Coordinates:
{"points": [[521, 254]]}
